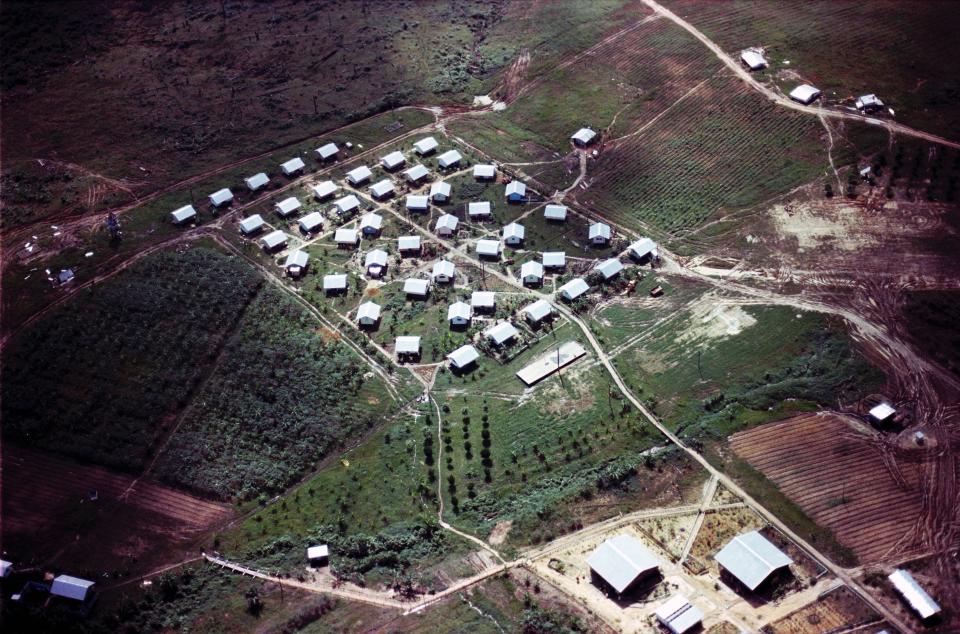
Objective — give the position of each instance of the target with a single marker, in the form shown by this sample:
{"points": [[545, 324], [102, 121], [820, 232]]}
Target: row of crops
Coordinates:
{"points": [[723, 147]]}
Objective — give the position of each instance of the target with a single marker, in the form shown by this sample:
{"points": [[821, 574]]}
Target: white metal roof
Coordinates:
{"points": [[327, 150], [347, 203], [488, 247], [882, 412], [868, 101], [753, 59], [221, 196], [621, 560], [70, 587], [516, 188], [459, 310], [371, 221], [678, 615], [443, 268], [440, 189], [324, 189], [447, 221], [376, 257], [368, 310], [425, 145], [382, 188], [805, 93], [345, 236], [642, 248], [416, 287], [554, 259], [751, 558], [312, 221], [287, 206], [514, 231], [415, 173], [609, 268], [599, 230], [917, 597], [296, 258], [393, 159], [574, 288], [334, 282], [274, 239], [555, 212], [256, 181], [184, 213], [584, 135], [448, 158], [531, 268], [482, 299], [501, 333], [416, 201], [6, 567], [484, 171], [318, 552], [463, 356], [538, 310], [293, 165], [408, 345], [251, 223], [479, 208], [359, 174], [408, 243]]}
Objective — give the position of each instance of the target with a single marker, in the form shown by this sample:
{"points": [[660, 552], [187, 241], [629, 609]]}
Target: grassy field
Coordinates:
{"points": [[721, 149], [932, 317], [104, 376], [708, 385], [901, 52]]}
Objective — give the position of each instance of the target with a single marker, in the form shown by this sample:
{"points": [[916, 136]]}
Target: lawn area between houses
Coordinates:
{"points": [[104, 376]]}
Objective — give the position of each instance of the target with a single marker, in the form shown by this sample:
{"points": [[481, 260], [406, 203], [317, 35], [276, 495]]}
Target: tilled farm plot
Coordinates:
{"points": [[723, 147], [841, 479], [48, 516]]}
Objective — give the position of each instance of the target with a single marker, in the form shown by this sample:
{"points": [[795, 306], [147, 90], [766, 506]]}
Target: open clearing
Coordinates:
{"points": [[844, 477]]}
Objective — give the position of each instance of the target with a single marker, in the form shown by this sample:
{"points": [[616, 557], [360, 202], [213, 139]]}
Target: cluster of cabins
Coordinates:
{"points": [[806, 94], [748, 563]]}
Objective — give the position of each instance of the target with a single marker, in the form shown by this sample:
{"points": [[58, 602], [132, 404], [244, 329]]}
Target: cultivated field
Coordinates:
{"points": [[835, 611], [843, 477], [48, 516]]}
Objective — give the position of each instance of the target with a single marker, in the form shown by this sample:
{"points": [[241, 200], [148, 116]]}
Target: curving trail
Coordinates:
{"points": [[742, 73]]}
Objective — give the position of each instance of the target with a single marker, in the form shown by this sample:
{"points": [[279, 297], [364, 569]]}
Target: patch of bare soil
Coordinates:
{"points": [[56, 511], [499, 532]]}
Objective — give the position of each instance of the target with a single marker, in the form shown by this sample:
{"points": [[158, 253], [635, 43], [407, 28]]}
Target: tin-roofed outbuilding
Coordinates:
{"points": [[296, 263], [415, 287], [621, 561], [416, 173], [599, 233], [293, 166], [516, 191], [443, 271], [446, 225], [556, 213], [359, 175], [382, 189], [484, 172], [609, 268], [417, 202], [393, 160], [751, 559], [921, 602], [501, 333], [274, 240], [251, 225], [459, 314], [324, 190], [327, 151], [371, 224], [425, 146], [573, 289], [531, 273], [463, 357], [440, 191], [368, 314], [256, 181], [287, 207], [678, 615], [805, 94], [183, 215], [448, 159], [347, 204], [583, 137], [221, 197], [313, 221], [318, 555], [488, 248]]}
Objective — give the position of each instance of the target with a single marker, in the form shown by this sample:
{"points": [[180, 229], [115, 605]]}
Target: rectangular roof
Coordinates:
{"points": [[447, 221], [538, 310], [599, 230], [70, 587], [484, 171], [347, 203], [753, 59], [443, 267], [408, 345], [416, 287], [531, 267], [488, 247], [514, 230], [376, 257], [416, 172], [345, 236], [516, 188], [805, 93], [324, 189], [256, 181], [459, 310], [371, 220], [751, 558], [408, 243], [393, 159], [416, 201], [574, 288], [555, 212], [882, 412], [425, 145], [440, 188], [463, 356], [251, 223], [621, 560], [327, 150], [678, 614], [917, 597], [334, 281], [311, 221], [448, 158], [359, 174], [609, 268], [483, 299], [547, 364], [501, 333], [643, 247], [584, 135], [291, 166], [318, 552], [382, 188], [274, 239], [368, 310], [221, 196], [287, 206], [554, 259], [296, 258], [479, 208]]}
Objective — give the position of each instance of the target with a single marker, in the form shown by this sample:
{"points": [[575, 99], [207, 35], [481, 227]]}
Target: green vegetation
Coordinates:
{"points": [[103, 376], [932, 318], [707, 388], [281, 399]]}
